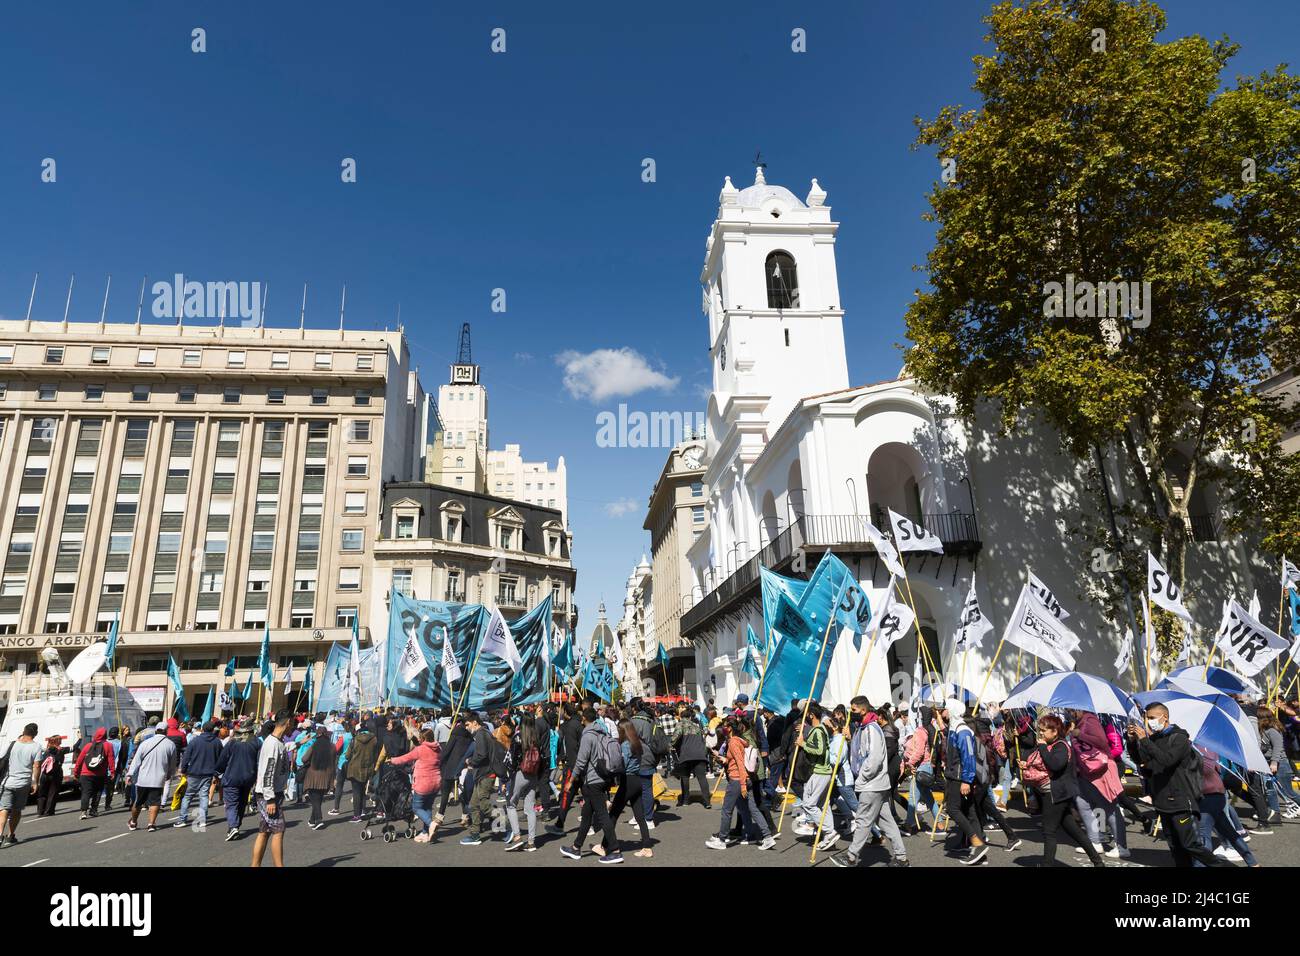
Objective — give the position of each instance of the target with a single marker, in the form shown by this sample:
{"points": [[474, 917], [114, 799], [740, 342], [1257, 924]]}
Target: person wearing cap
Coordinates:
{"points": [[237, 767], [199, 764], [154, 763]]}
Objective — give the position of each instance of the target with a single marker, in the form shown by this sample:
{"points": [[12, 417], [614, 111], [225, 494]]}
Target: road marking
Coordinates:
{"points": [[35, 863], [112, 838]]}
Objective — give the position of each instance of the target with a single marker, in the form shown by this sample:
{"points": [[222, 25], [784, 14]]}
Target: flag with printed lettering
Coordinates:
{"points": [[1034, 627], [973, 625], [1247, 643], [1047, 598], [412, 662], [450, 666], [1125, 656], [910, 536], [884, 548], [1162, 590]]}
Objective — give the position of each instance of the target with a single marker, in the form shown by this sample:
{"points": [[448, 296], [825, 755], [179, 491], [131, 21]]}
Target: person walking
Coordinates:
{"points": [[272, 778], [50, 777], [739, 795], [237, 768], [869, 764], [316, 770], [93, 767], [529, 758], [487, 764], [598, 762], [153, 764], [426, 780], [199, 764], [1049, 768], [23, 762], [692, 759], [363, 760], [452, 762], [1173, 769], [342, 735]]}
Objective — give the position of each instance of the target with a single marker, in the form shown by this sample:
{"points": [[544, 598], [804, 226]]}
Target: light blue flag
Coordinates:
{"points": [[112, 640], [751, 665], [248, 688], [212, 703], [264, 659], [833, 588], [174, 675], [799, 664], [598, 679], [563, 659], [662, 656], [309, 686], [230, 668], [1295, 613]]}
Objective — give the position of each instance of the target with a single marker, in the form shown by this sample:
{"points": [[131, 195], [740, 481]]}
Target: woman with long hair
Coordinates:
{"points": [[426, 781], [1050, 769], [529, 758], [634, 781], [318, 773]]}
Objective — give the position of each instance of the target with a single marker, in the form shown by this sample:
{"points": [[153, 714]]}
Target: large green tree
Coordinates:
{"points": [[1100, 152]]}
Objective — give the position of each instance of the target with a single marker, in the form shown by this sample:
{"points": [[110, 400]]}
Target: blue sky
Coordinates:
{"points": [[476, 171]]}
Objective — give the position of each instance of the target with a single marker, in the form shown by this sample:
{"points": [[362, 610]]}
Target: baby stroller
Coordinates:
{"points": [[393, 798]]}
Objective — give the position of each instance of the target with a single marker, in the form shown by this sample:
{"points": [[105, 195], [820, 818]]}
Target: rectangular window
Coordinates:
{"points": [[94, 393], [319, 396], [697, 489], [139, 393], [121, 543], [358, 466], [210, 582], [185, 394], [361, 429], [228, 431], [231, 394], [54, 355], [236, 359], [275, 396], [361, 397], [301, 620], [168, 542], [263, 541], [324, 360], [99, 355], [47, 393], [191, 358], [308, 540], [406, 526], [6, 354], [354, 503], [365, 361], [146, 357], [506, 590], [697, 514], [279, 360], [137, 429], [349, 579], [352, 539], [345, 617], [402, 581]]}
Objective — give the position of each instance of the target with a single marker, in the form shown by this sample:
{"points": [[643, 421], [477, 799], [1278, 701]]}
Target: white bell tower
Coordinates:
{"points": [[772, 295]]}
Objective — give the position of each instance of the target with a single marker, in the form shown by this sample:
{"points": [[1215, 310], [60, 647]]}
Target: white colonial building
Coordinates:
{"points": [[794, 455]]}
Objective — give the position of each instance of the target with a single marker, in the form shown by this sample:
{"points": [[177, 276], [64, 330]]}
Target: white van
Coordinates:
{"points": [[74, 713]]}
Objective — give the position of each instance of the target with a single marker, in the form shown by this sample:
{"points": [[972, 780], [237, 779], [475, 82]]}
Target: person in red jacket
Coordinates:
{"points": [[93, 768]]}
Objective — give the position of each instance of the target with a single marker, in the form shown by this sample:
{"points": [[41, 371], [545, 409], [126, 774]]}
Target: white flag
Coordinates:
{"points": [[973, 624], [413, 662], [288, 675], [915, 702], [1290, 575], [1149, 647], [450, 667], [225, 702], [1162, 590], [1047, 598], [1247, 643], [884, 548], [895, 619], [1125, 654], [1254, 604], [910, 536], [499, 642], [1034, 628], [354, 671], [1185, 652]]}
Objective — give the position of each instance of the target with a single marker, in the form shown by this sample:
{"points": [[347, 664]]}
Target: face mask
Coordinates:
{"points": [[1156, 724]]}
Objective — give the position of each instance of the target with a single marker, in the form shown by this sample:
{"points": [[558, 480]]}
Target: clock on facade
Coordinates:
{"points": [[692, 456]]}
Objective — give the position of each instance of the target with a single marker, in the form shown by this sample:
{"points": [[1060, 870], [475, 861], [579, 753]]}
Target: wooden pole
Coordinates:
{"points": [[920, 639], [987, 676], [803, 718]]}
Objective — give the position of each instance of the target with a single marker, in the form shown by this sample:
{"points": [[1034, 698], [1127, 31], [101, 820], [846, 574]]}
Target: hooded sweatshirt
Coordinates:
{"points": [[427, 758], [201, 756], [154, 762], [237, 764], [590, 746], [99, 745]]}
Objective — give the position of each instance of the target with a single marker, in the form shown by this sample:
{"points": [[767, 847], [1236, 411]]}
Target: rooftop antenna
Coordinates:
{"points": [[68, 304], [261, 316], [103, 309], [28, 321], [399, 316], [464, 358], [302, 316], [343, 305], [140, 305]]}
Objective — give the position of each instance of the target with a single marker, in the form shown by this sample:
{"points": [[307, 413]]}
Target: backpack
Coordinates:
{"points": [[751, 759], [96, 756], [981, 761], [530, 762], [658, 742], [609, 759]]}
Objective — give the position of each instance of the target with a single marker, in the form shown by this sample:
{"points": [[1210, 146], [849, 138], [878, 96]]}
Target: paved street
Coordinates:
{"points": [[64, 840]]}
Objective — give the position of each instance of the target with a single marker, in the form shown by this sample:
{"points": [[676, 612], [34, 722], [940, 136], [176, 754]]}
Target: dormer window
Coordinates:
{"points": [[405, 519], [553, 533], [453, 520], [507, 529], [782, 281]]}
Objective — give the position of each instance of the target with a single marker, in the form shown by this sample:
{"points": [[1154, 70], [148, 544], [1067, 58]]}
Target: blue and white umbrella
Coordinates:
{"points": [[1061, 690], [1210, 723], [1225, 680], [1195, 688], [939, 692]]}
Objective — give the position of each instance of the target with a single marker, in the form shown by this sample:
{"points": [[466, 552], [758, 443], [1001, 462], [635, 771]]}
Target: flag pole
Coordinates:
{"points": [[803, 719], [912, 604]]}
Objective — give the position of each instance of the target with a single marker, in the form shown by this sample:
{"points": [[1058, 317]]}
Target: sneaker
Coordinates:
{"points": [[713, 843], [1118, 853], [1096, 846], [767, 844], [976, 854], [899, 861], [844, 858], [230, 834], [571, 852], [530, 847], [803, 829], [179, 824], [132, 825], [1013, 846], [614, 857], [828, 842], [355, 819], [554, 829], [84, 816], [471, 840], [152, 828], [1228, 853], [334, 813], [319, 825], [514, 843], [1262, 830]]}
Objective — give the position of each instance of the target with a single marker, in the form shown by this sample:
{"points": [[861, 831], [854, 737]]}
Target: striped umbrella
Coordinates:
{"points": [[1226, 681], [941, 691], [1195, 688], [1211, 725], [1061, 690]]}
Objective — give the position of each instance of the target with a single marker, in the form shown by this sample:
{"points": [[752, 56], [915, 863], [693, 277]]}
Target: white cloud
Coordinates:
{"points": [[523, 356], [610, 373], [616, 509]]}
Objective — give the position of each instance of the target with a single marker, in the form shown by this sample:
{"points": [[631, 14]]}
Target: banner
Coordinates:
{"points": [[334, 683], [910, 536], [1290, 575], [1035, 628], [1047, 598], [973, 624], [884, 549], [598, 679], [896, 619], [1247, 643], [1125, 656], [1162, 590], [492, 682], [798, 662], [413, 662]]}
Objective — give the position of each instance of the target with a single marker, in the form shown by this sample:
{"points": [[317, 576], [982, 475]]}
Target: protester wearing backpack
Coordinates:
{"points": [[960, 771], [1049, 769], [1173, 768], [529, 758], [93, 767], [599, 762], [739, 794], [869, 765], [654, 748]]}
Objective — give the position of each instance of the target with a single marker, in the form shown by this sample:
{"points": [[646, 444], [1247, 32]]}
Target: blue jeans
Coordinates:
{"points": [[750, 818], [422, 806], [648, 794], [1214, 816], [201, 784], [916, 797]]}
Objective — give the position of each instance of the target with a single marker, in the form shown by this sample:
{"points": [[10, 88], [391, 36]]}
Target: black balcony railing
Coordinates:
{"points": [[1203, 527], [843, 533]]}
